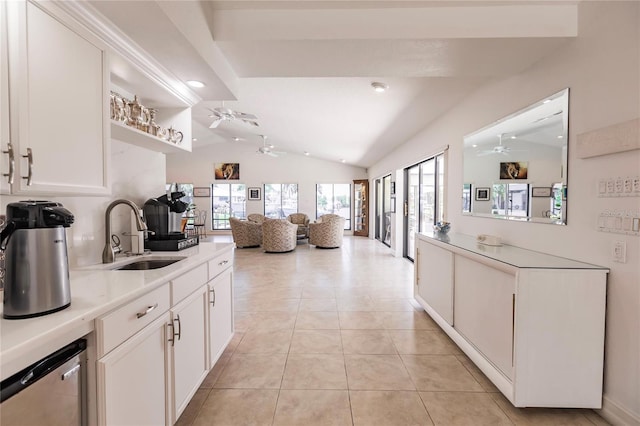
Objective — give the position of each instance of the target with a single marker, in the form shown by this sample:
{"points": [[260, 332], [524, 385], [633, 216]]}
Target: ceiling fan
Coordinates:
{"points": [[268, 149], [497, 149], [222, 113]]}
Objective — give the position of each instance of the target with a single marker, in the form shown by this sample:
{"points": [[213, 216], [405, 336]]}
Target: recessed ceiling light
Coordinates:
{"points": [[379, 87], [195, 83], [474, 145], [306, 153], [513, 137], [342, 160], [560, 136], [237, 139], [195, 139]]}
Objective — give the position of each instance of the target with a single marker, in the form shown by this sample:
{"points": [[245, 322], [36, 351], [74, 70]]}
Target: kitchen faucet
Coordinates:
{"points": [[108, 254]]}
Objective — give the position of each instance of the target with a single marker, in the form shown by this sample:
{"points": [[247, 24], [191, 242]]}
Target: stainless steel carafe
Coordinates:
{"points": [[36, 262]]}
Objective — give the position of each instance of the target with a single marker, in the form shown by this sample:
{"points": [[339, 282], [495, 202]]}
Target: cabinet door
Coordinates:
{"points": [[485, 307], [132, 379], [59, 102], [220, 314], [435, 278], [189, 350], [5, 188]]}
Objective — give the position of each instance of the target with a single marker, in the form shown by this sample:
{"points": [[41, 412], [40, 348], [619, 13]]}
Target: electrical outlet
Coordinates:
{"points": [[635, 183], [619, 253]]}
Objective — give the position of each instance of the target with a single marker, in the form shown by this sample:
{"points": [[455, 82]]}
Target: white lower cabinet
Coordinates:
{"points": [[485, 309], [189, 363], [132, 379], [154, 352], [220, 314], [434, 277], [532, 322]]}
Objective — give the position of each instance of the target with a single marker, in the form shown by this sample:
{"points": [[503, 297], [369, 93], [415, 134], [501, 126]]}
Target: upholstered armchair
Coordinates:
{"points": [[302, 221], [327, 231], [278, 235], [257, 218], [245, 233]]}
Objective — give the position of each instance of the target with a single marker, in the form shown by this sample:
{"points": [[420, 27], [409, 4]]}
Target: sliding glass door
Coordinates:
{"points": [[424, 199]]}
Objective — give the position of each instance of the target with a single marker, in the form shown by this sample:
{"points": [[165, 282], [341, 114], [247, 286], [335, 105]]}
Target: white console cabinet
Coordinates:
{"points": [[532, 322]]}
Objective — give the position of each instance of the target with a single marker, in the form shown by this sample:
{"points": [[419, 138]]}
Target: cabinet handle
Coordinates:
{"points": [[29, 158], [172, 339], [149, 309], [12, 164], [513, 329], [224, 262], [213, 292], [179, 327]]}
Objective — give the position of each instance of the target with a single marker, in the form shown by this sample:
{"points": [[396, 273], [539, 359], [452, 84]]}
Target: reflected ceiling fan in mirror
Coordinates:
{"points": [[268, 149], [498, 149], [223, 113]]}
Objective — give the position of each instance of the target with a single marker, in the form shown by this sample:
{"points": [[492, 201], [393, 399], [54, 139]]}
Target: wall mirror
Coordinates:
{"points": [[516, 168]]}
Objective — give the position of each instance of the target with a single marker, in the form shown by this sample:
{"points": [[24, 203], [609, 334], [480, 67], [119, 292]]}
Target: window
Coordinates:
{"points": [[228, 199], [510, 199], [334, 199], [280, 199]]}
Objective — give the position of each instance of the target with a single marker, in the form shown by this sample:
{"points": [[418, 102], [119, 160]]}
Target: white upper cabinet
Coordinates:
{"points": [[6, 170], [58, 97]]}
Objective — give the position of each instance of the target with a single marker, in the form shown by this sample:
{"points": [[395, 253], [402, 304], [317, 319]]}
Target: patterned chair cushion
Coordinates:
{"points": [[278, 235], [256, 217], [302, 221], [245, 233], [327, 232]]}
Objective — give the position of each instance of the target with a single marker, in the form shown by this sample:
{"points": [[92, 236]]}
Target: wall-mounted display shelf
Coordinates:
{"points": [[124, 133]]}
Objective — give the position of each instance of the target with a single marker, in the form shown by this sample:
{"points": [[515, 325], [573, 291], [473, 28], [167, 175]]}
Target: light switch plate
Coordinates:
{"points": [[619, 252]]}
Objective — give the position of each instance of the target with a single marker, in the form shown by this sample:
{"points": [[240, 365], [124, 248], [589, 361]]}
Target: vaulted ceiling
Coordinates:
{"points": [[305, 68]]}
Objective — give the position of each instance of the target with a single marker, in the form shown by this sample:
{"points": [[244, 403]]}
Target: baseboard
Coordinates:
{"points": [[616, 414]]}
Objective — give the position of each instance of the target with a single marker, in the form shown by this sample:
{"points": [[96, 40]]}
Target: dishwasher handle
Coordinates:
{"points": [[28, 376]]}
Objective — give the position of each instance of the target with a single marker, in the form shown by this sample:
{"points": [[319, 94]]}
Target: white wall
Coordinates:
{"points": [[602, 69], [137, 174], [256, 170]]}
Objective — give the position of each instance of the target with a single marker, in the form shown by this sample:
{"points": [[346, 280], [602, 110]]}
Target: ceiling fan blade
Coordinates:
{"points": [[215, 123], [244, 116], [253, 123]]}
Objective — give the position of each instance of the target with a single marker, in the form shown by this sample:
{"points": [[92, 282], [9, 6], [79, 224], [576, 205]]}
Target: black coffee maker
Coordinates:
{"points": [[163, 216]]}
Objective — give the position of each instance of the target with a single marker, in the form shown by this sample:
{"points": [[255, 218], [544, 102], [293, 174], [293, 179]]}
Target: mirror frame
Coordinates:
{"points": [[523, 120]]}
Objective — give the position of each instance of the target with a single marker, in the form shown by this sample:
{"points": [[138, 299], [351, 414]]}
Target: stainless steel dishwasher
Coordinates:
{"points": [[49, 392]]}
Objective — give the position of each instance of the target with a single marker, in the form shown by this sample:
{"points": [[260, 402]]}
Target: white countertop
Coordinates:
{"points": [[511, 255], [95, 290]]}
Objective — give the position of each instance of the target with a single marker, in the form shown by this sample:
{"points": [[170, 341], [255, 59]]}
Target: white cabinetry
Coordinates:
{"points": [[533, 323], [58, 103], [434, 278], [132, 379], [5, 167], [220, 314], [130, 337], [189, 364], [485, 301]]}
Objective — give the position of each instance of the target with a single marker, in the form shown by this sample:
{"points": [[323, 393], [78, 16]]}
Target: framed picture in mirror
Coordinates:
{"points": [[482, 194], [541, 191]]}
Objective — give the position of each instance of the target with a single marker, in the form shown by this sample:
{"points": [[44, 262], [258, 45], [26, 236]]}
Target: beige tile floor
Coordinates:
{"points": [[333, 337]]}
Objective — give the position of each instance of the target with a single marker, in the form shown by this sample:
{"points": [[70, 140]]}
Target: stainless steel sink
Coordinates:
{"points": [[145, 264]]}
